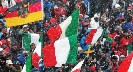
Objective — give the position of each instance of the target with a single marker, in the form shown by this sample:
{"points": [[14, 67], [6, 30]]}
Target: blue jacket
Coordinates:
{"points": [[86, 1], [82, 43], [126, 25], [22, 58], [47, 7]]}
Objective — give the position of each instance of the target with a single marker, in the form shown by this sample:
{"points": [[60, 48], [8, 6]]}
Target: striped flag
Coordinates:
{"points": [[24, 12]]}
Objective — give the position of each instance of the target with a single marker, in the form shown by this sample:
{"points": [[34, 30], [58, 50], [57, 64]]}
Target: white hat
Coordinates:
{"points": [[122, 56], [25, 26], [79, 48], [96, 15], [1, 49], [9, 62], [117, 5]]}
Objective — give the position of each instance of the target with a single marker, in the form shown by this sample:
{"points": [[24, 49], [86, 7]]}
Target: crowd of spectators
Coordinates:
{"points": [[114, 16]]}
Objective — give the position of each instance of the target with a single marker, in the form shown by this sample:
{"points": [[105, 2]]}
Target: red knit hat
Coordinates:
{"points": [[3, 42]]}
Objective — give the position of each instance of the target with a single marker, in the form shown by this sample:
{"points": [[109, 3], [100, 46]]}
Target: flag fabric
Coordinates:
{"points": [[29, 38], [37, 40], [24, 12], [27, 67], [26, 40], [61, 52], [77, 68], [67, 28], [127, 64], [82, 42], [129, 47], [93, 36], [36, 56]]}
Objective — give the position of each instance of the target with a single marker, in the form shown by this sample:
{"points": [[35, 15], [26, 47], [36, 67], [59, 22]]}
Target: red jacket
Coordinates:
{"points": [[7, 50], [123, 45], [124, 41], [3, 10], [59, 12]]}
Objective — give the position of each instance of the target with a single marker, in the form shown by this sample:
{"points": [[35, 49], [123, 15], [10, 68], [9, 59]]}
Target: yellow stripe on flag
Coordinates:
{"points": [[32, 17]]}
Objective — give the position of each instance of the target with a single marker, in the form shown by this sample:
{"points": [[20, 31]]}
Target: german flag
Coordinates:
{"points": [[25, 12]]}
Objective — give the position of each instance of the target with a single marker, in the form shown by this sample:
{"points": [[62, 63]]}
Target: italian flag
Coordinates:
{"points": [[36, 55], [27, 67], [67, 28], [93, 35], [127, 64], [77, 68], [61, 52], [63, 38]]}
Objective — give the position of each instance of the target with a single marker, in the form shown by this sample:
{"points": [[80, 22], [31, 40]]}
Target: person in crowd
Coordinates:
{"points": [[113, 16], [15, 51], [3, 64], [5, 47], [48, 6], [17, 66], [9, 66]]}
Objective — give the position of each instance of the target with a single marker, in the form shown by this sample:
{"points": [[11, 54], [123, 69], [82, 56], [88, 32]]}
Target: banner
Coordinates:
{"points": [[25, 12]]}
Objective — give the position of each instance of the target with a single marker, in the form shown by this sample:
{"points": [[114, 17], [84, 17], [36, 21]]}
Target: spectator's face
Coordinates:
{"points": [[102, 55], [85, 28], [0, 24], [118, 9], [9, 65], [81, 17], [107, 44], [1, 53], [34, 30], [25, 29], [79, 22], [33, 46], [126, 34], [3, 46], [4, 30], [107, 23], [14, 47], [87, 19], [122, 58], [46, 0], [107, 11], [122, 0], [129, 11], [108, 59], [2, 62], [120, 30], [60, 69], [114, 61]]}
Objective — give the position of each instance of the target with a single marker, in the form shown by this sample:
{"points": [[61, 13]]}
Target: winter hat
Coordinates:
{"points": [[117, 5], [2, 58], [79, 48], [3, 42], [9, 62], [121, 16], [96, 15], [52, 20], [16, 62], [1, 49], [25, 26], [114, 57], [123, 10], [14, 43], [122, 56], [93, 68], [86, 16], [106, 42]]}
